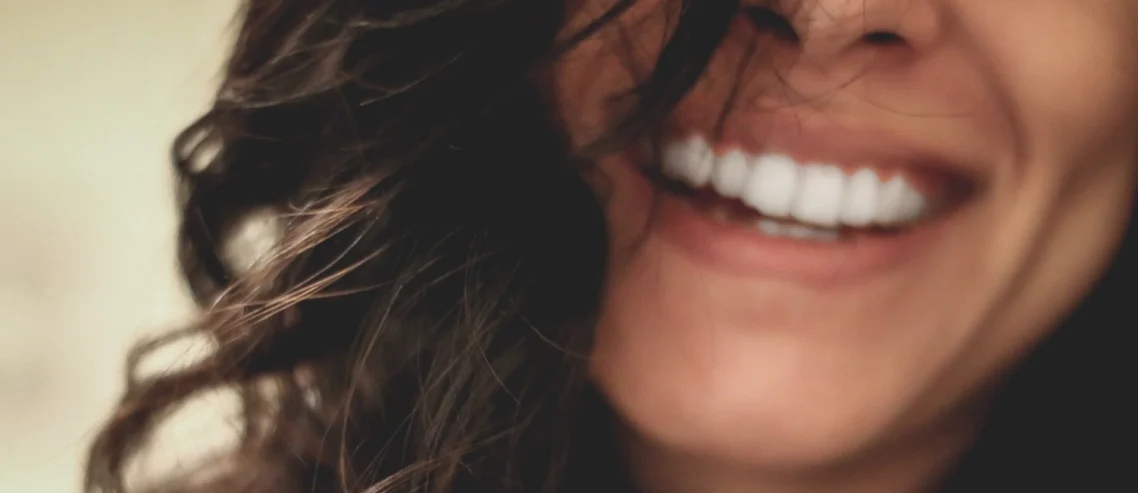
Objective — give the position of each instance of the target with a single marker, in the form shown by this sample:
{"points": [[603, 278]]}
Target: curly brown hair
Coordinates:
{"points": [[421, 322]]}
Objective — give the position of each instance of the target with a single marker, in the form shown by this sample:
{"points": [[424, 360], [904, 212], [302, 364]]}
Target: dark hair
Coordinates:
{"points": [[422, 321]]}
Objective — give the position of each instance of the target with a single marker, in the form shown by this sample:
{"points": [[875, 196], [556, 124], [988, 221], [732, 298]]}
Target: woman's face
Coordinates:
{"points": [[884, 222]]}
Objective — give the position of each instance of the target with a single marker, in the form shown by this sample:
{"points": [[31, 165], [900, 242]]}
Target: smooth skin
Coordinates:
{"points": [[740, 382]]}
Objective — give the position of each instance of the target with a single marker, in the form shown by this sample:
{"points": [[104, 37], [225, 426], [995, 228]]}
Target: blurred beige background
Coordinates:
{"points": [[91, 92]]}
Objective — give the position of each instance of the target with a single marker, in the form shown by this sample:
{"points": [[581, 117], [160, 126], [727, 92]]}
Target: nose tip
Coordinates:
{"points": [[827, 30]]}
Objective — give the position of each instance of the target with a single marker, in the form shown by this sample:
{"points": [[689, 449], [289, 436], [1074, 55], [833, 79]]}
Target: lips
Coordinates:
{"points": [[818, 194], [838, 207]]}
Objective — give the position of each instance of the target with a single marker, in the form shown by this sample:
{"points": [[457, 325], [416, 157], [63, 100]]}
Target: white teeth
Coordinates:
{"points": [[731, 174], [804, 232], [898, 202], [819, 198], [691, 161], [769, 227], [859, 203], [817, 194], [796, 231], [773, 185]]}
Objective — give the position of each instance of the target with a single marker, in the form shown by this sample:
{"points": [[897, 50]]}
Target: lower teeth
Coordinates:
{"points": [[797, 231], [777, 228]]}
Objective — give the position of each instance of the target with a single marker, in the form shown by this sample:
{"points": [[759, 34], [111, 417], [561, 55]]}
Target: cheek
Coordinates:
{"points": [[579, 99], [1068, 75], [1071, 75], [590, 84]]}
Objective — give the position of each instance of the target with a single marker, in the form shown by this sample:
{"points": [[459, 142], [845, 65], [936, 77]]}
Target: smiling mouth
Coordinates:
{"points": [[816, 201]]}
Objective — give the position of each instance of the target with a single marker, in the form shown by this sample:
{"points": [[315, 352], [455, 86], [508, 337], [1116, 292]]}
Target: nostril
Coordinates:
{"points": [[770, 21], [882, 38]]}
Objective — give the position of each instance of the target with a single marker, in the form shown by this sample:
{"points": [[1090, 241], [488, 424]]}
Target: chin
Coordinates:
{"points": [[698, 377]]}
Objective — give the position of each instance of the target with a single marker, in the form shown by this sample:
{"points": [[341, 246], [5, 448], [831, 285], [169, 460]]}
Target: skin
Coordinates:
{"points": [[731, 382]]}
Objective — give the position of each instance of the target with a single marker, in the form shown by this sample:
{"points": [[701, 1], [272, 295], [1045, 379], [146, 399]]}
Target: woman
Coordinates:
{"points": [[664, 246]]}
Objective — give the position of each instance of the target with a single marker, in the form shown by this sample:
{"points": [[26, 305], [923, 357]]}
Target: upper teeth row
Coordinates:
{"points": [[777, 186]]}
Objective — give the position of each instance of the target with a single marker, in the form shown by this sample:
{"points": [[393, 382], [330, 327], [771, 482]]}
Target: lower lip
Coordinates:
{"points": [[742, 251]]}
